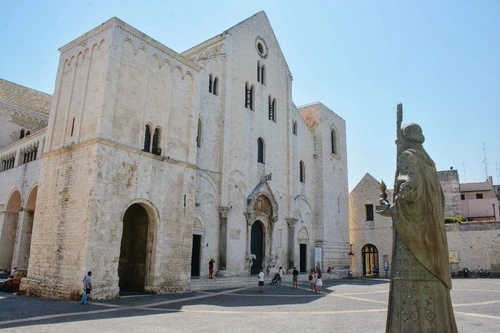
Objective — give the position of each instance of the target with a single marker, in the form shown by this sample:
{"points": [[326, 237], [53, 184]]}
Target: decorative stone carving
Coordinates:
{"points": [[224, 211], [291, 221]]}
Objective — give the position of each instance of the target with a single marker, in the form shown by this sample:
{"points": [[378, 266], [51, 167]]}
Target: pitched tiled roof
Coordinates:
{"points": [[24, 97]]}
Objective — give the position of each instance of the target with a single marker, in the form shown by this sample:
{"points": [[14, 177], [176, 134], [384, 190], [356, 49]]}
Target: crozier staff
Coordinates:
{"points": [[421, 271]]}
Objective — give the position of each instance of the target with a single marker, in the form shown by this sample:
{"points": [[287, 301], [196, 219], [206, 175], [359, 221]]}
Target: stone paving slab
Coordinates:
{"points": [[342, 306]]}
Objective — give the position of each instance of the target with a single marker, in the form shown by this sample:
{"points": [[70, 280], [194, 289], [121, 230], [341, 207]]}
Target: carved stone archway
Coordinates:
{"points": [[263, 207]]}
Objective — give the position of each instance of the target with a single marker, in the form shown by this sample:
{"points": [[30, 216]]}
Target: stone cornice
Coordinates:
{"points": [[158, 46], [40, 116], [117, 23]]}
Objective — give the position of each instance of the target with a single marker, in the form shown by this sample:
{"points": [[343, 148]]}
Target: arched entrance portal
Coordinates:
{"points": [[24, 231], [133, 268], [257, 246], [8, 231], [369, 253]]}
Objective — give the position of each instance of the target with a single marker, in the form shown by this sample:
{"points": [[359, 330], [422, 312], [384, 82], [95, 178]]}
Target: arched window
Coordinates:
{"points": [[369, 256], [28, 133], [198, 136], [156, 139], [212, 84], [294, 127], [147, 139], [334, 142], [261, 71], [215, 87], [263, 74], [272, 109], [21, 135], [302, 171], [260, 150], [249, 92]]}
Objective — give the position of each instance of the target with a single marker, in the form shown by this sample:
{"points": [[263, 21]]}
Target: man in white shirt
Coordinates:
{"points": [[261, 281], [87, 288]]}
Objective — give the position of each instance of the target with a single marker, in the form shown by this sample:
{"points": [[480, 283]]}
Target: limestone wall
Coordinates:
{"points": [[451, 188], [477, 245]]}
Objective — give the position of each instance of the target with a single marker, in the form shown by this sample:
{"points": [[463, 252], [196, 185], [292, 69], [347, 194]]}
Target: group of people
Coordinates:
{"points": [[315, 280], [281, 272]]}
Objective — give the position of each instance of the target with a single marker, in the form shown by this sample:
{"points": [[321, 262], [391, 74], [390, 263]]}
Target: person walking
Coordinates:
{"points": [[281, 272], [87, 288], [261, 281], [312, 279], [295, 274]]}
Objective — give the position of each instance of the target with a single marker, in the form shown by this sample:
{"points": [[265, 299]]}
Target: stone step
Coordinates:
{"points": [[204, 283]]}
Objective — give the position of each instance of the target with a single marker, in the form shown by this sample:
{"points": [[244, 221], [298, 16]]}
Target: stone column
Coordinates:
{"points": [[291, 242], [23, 239], [248, 254], [223, 212], [17, 160], [249, 232], [271, 233]]}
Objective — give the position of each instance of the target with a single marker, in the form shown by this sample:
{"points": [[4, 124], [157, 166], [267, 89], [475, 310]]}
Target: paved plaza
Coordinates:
{"points": [[342, 306]]}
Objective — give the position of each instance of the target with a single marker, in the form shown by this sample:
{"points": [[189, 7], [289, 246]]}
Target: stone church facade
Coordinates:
{"points": [[146, 163]]}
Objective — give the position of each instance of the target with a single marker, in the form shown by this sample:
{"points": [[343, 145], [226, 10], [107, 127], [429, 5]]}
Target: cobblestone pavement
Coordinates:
{"points": [[342, 306]]}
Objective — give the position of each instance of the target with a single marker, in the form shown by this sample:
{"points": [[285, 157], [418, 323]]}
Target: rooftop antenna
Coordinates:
{"points": [[498, 173], [485, 161], [465, 176]]}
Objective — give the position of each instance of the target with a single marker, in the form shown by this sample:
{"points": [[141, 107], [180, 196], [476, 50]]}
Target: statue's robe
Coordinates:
{"points": [[419, 299]]}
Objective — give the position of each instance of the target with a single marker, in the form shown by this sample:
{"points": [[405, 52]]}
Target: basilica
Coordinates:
{"points": [[146, 163]]}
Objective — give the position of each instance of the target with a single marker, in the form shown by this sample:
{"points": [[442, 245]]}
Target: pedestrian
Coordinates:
{"points": [[312, 279], [261, 281], [87, 288], [211, 268], [319, 283], [295, 274], [281, 272]]}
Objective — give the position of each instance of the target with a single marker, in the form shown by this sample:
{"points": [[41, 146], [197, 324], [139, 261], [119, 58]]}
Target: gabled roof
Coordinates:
{"points": [[263, 21], [367, 180], [24, 97]]}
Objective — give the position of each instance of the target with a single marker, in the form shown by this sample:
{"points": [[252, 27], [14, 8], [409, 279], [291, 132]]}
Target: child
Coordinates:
{"points": [[319, 283]]}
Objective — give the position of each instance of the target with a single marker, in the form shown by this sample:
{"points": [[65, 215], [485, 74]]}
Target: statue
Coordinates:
{"points": [[419, 297]]}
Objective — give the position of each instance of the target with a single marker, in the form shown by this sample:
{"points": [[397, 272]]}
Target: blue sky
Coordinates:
{"points": [[441, 59]]}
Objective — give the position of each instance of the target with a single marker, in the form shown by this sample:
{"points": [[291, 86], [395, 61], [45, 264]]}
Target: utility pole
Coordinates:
{"points": [[465, 175], [485, 161]]}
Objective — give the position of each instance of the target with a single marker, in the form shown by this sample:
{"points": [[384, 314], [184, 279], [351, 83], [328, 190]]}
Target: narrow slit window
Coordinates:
{"points": [[147, 139], [198, 137], [334, 142], [156, 139], [272, 109], [260, 151], [302, 172]]}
